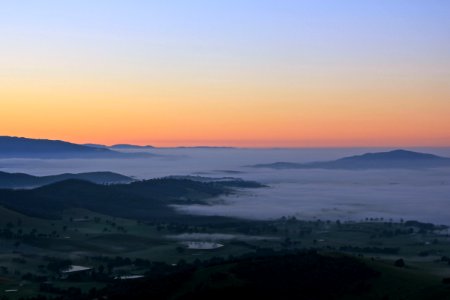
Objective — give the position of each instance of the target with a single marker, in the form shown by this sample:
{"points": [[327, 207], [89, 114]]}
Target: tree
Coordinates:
{"points": [[180, 249], [399, 263]]}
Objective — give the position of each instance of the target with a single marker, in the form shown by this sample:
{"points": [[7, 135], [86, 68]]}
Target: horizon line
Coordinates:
{"points": [[389, 146]]}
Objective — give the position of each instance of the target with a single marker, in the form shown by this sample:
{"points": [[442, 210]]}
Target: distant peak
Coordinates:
{"points": [[400, 159], [396, 154], [131, 146]]}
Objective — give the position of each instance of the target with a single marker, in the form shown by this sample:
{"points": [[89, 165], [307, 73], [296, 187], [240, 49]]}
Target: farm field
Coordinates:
{"points": [[35, 252]]}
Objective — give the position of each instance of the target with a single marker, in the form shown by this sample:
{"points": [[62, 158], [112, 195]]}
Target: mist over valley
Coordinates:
{"points": [[312, 193]]}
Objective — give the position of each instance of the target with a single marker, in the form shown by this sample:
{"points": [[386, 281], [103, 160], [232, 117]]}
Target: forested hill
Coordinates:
{"points": [[22, 180], [137, 200]]}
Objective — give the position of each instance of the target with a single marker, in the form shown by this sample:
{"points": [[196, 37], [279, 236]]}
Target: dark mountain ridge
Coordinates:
{"points": [[396, 159], [149, 147], [95, 145], [22, 180], [395, 155], [19, 147], [129, 146]]}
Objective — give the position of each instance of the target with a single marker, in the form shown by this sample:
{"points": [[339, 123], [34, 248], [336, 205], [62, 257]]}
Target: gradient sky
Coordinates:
{"points": [[237, 72]]}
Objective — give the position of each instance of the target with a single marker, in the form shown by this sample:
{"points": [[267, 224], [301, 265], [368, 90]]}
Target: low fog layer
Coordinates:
{"points": [[419, 195], [308, 194], [218, 237]]}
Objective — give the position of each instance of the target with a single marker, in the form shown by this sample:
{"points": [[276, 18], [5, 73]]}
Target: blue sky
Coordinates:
{"points": [[291, 58]]}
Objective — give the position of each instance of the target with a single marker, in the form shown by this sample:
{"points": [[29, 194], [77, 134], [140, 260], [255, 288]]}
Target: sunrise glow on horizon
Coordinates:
{"points": [[227, 73]]}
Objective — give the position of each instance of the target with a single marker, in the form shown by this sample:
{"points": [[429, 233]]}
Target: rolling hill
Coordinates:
{"points": [[21, 180], [149, 199]]}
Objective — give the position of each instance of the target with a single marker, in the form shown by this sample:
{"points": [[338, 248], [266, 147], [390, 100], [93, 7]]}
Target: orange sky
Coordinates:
{"points": [[251, 116], [235, 74]]}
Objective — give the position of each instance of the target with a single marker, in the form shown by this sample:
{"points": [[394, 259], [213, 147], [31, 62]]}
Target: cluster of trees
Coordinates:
{"points": [[57, 264], [424, 227], [446, 259], [268, 274], [264, 274], [379, 250]]}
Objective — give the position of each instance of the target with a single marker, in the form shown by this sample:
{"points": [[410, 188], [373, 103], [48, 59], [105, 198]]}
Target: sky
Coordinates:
{"points": [[250, 73]]}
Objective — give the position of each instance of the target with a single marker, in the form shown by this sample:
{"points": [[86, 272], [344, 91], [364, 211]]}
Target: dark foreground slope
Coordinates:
{"points": [[269, 275], [397, 159], [21, 180], [144, 200], [300, 275]]}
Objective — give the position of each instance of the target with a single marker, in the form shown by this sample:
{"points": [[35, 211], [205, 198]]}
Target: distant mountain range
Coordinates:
{"points": [[95, 145], [18, 147], [397, 159], [129, 146], [149, 147], [121, 146], [21, 180], [202, 147]]}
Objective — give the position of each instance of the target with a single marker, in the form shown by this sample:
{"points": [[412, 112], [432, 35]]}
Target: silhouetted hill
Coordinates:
{"points": [[397, 159], [202, 147], [17, 147], [95, 145], [149, 147], [395, 155], [21, 180], [128, 146], [149, 199]]}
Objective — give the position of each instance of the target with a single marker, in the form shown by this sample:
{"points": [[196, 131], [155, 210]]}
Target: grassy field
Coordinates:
{"points": [[28, 247]]}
